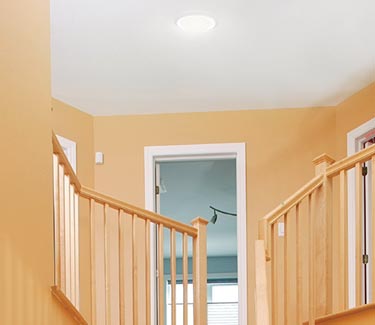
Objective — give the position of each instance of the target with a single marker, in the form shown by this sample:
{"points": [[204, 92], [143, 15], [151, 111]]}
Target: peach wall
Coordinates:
{"points": [[351, 113], [280, 146], [26, 222]]}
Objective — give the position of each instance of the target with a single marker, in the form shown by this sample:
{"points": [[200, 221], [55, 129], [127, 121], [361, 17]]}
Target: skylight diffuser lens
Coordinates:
{"points": [[196, 23]]}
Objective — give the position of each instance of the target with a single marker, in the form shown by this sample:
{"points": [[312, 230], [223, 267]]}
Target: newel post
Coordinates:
{"points": [[323, 216], [200, 271]]}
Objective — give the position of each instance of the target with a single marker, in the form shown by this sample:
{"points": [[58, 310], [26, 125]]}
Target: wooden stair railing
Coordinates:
{"points": [[120, 242], [309, 262]]}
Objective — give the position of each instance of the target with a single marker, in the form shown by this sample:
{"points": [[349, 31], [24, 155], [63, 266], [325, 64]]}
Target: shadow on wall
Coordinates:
{"points": [[24, 300]]}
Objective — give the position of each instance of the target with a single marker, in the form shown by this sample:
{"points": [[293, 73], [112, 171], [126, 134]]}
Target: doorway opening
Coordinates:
{"points": [[207, 157], [358, 139]]}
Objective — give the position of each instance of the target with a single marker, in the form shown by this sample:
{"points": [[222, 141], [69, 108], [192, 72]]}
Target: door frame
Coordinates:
{"points": [[237, 151], [353, 140]]}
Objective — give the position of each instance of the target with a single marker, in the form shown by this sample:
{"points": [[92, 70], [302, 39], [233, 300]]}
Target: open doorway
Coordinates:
{"points": [[358, 139], [172, 159], [204, 188]]}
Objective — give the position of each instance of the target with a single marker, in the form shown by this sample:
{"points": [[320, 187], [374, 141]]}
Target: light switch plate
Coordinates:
{"points": [[99, 158], [281, 229]]}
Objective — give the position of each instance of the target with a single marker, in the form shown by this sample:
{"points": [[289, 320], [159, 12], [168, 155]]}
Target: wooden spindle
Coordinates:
{"points": [[61, 239], [161, 273], [358, 233], [286, 270], [200, 271], [76, 250], [56, 210], [311, 263], [261, 297], [135, 268], [107, 267], [93, 261], [173, 274], [372, 242], [72, 244], [274, 271], [185, 270], [147, 272], [67, 237], [299, 292], [121, 273], [343, 242]]}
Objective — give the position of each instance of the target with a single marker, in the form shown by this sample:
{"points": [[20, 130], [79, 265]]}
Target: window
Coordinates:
{"points": [[222, 297]]}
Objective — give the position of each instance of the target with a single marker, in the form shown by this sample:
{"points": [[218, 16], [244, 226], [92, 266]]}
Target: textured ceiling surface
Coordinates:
{"points": [[129, 57]]}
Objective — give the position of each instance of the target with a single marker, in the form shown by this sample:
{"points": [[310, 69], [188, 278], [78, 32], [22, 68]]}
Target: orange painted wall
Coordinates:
{"points": [[78, 127], [351, 113], [280, 146], [26, 222]]}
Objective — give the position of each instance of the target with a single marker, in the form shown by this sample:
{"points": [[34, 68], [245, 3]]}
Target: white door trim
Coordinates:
{"points": [[353, 139], [209, 151], [70, 150]]}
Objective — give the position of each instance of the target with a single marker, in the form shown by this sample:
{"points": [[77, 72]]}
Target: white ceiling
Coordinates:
{"points": [[128, 57], [189, 188]]}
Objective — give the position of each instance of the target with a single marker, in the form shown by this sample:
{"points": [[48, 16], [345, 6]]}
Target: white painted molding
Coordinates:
{"points": [[209, 151], [353, 143], [70, 150]]}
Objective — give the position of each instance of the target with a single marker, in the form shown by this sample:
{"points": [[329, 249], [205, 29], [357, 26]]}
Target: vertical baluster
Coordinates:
{"points": [[135, 268], [107, 267], [372, 243], [93, 261], [147, 273], [72, 245], [76, 250], [200, 272], [161, 273], [62, 228], [274, 276], [358, 233], [56, 210], [67, 237], [343, 242], [185, 277], [173, 274], [286, 270], [299, 293], [121, 266], [311, 263]]}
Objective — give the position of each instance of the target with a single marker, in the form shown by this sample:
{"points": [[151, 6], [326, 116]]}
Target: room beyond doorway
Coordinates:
{"points": [[234, 151]]}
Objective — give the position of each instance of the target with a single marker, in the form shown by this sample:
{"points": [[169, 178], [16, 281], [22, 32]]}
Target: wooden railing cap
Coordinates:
{"points": [[200, 221], [323, 158]]}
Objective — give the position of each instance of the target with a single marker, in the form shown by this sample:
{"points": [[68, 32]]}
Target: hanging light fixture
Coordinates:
{"points": [[214, 217]]}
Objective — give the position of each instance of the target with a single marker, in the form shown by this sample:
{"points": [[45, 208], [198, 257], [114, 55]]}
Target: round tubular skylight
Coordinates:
{"points": [[196, 24]]}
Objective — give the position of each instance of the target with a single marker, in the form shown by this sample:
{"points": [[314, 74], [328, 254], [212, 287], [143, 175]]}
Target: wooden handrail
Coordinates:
{"points": [[293, 200], [58, 150], [66, 288], [114, 203], [65, 302], [141, 213], [350, 162]]}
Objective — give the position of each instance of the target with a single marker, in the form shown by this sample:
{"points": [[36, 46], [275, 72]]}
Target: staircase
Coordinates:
{"points": [[302, 268], [127, 280]]}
